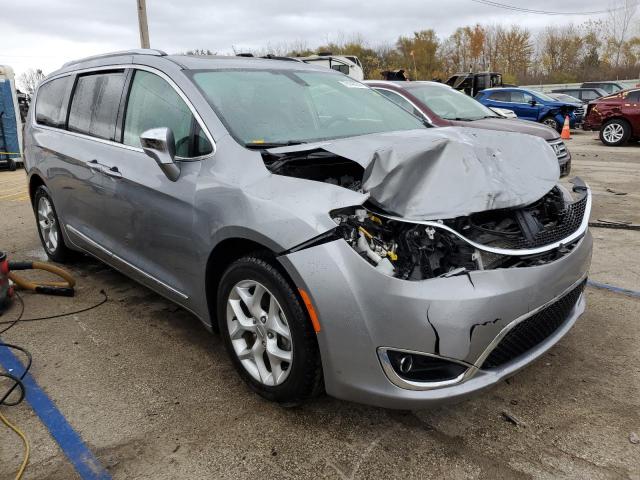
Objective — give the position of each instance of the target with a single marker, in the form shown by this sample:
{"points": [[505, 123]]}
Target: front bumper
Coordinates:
{"points": [[361, 310]]}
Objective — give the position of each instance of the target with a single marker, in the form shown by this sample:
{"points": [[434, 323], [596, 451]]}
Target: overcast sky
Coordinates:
{"points": [[46, 33]]}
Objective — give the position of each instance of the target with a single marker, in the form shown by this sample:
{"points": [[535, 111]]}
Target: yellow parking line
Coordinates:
{"points": [[23, 198], [12, 182], [17, 194], [14, 189]]}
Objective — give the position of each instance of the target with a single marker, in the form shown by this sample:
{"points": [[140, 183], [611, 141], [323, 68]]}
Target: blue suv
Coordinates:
{"points": [[530, 105]]}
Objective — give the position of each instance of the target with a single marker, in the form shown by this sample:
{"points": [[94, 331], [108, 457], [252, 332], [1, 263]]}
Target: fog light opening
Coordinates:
{"points": [[406, 363], [420, 367]]}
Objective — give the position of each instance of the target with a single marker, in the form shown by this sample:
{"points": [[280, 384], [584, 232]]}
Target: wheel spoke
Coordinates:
{"points": [[245, 354], [275, 352], [258, 358], [53, 238], [236, 331], [270, 344], [274, 321], [245, 322]]}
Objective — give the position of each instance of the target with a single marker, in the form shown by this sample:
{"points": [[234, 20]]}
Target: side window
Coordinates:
{"points": [[634, 96], [518, 97], [340, 67], [94, 108], [500, 96], [399, 100], [588, 95], [50, 108], [153, 103]]}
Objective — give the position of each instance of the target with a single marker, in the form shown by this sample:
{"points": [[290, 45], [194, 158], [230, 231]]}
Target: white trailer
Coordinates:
{"points": [[348, 64]]}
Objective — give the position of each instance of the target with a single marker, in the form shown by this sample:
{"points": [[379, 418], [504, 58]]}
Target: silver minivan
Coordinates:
{"points": [[334, 241]]}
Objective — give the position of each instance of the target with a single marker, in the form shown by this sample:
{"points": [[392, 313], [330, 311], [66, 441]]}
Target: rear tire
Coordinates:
{"points": [[553, 123], [267, 333], [615, 132], [48, 226]]}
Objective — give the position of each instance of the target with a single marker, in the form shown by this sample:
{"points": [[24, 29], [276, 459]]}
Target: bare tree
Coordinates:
{"points": [[30, 79], [618, 26]]}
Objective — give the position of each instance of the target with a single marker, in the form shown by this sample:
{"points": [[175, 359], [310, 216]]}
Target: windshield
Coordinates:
{"points": [[565, 98], [448, 103], [542, 96], [261, 107]]}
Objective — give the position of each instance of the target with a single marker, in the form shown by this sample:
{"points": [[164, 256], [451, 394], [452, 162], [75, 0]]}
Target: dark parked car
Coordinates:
{"points": [[579, 111], [530, 105], [616, 116], [442, 106], [609, 87], [585, 95]]}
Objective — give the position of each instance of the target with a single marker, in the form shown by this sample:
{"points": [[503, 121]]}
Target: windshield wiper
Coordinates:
{"points": [[264, 145]]}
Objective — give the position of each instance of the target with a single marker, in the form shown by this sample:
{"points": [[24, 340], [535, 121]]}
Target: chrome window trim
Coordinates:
{"points": [[89, 137], [506, 251], [110, 254], [134, 66], [398, 381], [412, 104]]}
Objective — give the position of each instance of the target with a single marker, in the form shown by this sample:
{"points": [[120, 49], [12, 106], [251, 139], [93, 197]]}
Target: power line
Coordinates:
{"points": [[547, 12]]}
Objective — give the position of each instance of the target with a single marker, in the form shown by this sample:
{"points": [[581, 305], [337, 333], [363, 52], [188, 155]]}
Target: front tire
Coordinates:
{"points": [[267, 333], [553, 123], [49, 226], [615, 133]]}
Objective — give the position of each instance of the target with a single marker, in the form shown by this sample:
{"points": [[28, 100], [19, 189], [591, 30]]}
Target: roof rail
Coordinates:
{"points": [[134, 51]]}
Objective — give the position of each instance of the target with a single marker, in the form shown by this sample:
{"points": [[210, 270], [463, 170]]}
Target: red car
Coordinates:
{"points": [[616, 116], [442, 106]]}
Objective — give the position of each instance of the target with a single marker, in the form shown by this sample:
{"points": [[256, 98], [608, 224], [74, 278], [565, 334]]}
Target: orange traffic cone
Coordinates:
{"points": [[566, 131]]}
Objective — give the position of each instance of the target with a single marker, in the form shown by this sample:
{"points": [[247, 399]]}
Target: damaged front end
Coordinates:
{"points": [[464, 261], [527, 236]]}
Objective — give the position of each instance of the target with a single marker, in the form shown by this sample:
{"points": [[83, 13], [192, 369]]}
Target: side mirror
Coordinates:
{"points": [[159, 144], [533, 103]]}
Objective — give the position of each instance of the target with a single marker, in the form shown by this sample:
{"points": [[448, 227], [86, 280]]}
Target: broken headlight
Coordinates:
{"points": [[405, 250]]}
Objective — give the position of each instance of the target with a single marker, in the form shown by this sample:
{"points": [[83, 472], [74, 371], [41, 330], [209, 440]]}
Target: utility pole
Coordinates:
{"points": [[142, 24]]}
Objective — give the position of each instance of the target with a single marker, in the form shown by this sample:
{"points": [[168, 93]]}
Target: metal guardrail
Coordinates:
{"points": [[547, 87]]}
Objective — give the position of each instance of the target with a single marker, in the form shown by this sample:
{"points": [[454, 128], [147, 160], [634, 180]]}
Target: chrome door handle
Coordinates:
{"points": [[112, 172]]}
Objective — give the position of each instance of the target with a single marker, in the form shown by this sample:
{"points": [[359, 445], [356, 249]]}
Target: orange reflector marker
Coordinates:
{"points": [[312, 311]]}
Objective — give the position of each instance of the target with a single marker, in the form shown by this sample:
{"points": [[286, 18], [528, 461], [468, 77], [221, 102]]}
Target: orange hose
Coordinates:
{"points": [[69, 281]]}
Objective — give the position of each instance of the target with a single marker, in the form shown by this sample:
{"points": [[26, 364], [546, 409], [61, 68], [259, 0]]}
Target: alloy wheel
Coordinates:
{"points": [[613, 133], [259, 332], [47, 224]]}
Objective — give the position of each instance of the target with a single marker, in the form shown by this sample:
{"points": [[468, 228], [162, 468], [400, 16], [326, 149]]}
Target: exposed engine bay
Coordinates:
{"points": [[447, 207], [417, 251]]}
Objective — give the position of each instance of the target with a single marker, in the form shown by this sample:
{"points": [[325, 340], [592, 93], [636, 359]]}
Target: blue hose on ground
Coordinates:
{"points": [[612, 288]]}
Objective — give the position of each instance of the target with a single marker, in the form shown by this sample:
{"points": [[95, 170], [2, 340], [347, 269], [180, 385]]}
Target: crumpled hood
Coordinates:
{"points": [[448, 172]]}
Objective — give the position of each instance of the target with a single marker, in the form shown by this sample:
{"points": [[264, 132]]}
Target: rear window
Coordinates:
{"points": [[94, 108], [50, 104]]}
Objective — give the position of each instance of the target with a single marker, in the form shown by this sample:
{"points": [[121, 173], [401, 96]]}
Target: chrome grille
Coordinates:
{"points": [[559, 148]]}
